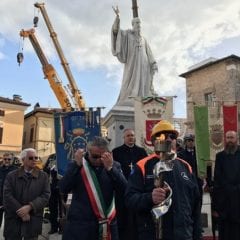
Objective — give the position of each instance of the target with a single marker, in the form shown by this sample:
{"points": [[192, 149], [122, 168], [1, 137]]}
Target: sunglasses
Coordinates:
{"points": [[172, 136], [9, 159], [32, 158], [95, 156]]}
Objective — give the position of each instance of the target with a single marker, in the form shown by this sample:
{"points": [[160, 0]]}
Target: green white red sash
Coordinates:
{"points": [[104, 215]]}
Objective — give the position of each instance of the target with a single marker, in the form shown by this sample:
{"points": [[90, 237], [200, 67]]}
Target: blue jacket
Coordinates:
{"points": [[182, 221], [82, 223]]}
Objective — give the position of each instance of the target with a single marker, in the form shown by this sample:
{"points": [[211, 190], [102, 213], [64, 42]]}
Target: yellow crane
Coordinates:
{"points": [[76, 94], [49, 71]]}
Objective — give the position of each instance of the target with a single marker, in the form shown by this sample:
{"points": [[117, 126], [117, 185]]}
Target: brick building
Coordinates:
{"points": [[213, 82]]}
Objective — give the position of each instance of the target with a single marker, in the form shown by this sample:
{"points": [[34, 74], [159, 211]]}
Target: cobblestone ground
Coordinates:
{"points": [[56, 236], [44, 236]]}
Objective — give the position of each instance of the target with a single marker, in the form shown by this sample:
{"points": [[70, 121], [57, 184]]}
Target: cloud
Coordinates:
{"points": [[180, 35]]}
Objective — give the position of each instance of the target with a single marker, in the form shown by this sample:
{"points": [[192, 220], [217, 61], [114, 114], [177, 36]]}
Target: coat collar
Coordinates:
{"points": [[21, 172]]}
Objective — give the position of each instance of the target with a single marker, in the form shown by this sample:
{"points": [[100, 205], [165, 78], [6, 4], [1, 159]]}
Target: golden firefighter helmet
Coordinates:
{"points": [[163, 127]]}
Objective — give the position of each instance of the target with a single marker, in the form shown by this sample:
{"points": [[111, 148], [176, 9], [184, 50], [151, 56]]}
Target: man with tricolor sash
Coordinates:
{"points": [[94, 180]]}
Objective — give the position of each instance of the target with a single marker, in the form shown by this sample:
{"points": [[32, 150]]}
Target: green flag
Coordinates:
{"points": [[202, 138]]}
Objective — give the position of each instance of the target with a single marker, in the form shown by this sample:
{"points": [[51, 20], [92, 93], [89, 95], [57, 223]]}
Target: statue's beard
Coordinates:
{"points": [[138, 33], [138, 38], [230, 148]]}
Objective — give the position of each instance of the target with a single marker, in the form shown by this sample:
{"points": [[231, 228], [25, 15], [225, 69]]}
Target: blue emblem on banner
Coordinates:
{"points": [[72, 131]]}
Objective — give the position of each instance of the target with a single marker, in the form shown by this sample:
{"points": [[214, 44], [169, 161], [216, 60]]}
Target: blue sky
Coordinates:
{"points": [[180, 36]]}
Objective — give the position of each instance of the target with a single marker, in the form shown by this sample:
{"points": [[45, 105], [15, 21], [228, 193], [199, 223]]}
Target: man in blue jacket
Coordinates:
{"points": [[182, 219], [93, 179]]}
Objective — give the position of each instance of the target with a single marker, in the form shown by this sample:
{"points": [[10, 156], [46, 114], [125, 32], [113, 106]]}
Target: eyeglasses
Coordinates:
{"points": [[32, 158], [9, 159], [170, 135], [95, 156]]}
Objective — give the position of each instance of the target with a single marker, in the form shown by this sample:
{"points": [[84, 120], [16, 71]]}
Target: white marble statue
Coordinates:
{"points": [[133, 51]]}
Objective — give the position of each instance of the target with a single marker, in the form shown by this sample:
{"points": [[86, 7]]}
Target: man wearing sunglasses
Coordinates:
{"points": [[26, 192], [4, 170], [153, 180], [94, 180]]}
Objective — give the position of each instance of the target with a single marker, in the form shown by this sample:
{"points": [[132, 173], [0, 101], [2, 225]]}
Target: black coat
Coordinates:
{"points": [[182, 221], [82, 223], [226, 193], [19, 190], [3, 173], [190, 157], [128, 155]]}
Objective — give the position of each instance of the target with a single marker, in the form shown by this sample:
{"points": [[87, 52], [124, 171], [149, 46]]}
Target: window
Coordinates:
{"points": [[209, 99], [31, 134], [1, 134], [24, 138], [2, 113]]}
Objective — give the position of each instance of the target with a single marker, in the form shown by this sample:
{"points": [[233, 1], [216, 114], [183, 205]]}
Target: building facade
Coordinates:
{"points": [[11, 124], [39, 131], [213, 83]]}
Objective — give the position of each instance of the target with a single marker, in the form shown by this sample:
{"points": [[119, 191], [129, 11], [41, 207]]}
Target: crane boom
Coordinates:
{"points": [[49, 71], [73, 86]]}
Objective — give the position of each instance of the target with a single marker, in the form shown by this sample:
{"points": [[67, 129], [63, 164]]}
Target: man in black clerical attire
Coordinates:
{"points": [[226, 190], [127, 155]]}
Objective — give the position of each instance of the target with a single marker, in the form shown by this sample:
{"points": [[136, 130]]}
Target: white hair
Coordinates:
{"points": [[25, 151]]}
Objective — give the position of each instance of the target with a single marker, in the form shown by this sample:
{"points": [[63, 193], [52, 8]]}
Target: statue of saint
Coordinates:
{"points": [[133, 51]]}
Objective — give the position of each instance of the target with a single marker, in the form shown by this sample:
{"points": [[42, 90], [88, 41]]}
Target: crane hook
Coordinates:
{"points": [[35, 21], [20, 58]]}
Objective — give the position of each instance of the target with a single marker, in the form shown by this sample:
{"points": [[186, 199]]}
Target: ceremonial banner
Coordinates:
{"points": [[202, 138], [230, 118], [72, 131], [149, 125]]}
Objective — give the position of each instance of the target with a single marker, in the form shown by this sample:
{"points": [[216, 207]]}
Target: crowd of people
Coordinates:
{"points": [[120, 194]]}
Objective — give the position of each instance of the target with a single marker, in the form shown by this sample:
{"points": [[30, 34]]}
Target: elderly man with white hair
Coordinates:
{"points": [[26, 192]]}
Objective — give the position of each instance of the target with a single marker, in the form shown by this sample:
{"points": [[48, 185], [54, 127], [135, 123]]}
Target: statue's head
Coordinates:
{"points": [[136, 24]]}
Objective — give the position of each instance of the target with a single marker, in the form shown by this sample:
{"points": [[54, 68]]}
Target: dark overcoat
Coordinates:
{"points": [[226, 194], [19, 190], [82, 223]]}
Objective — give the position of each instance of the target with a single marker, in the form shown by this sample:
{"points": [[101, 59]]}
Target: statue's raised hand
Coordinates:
{"points": [[116, 10]]}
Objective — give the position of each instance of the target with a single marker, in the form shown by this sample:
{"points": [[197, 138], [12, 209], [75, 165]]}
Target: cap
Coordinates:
{"points": [[189, 136]]}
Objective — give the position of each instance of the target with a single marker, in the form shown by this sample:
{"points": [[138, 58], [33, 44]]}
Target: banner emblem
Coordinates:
{"points": [[216, 135]]}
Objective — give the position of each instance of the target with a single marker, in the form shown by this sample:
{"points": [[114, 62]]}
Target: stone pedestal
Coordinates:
{"points": [[116, 121], [141, 118], [149, 111]]}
